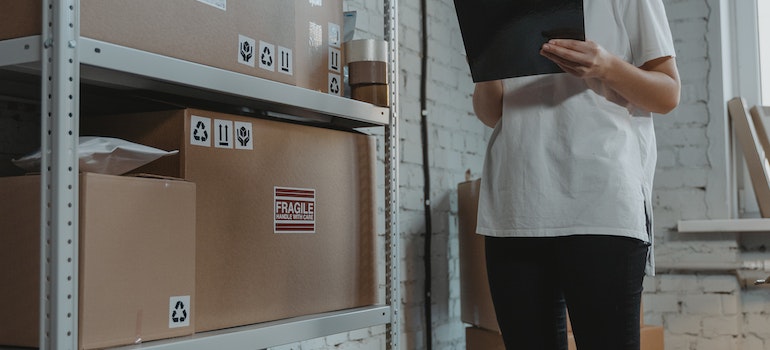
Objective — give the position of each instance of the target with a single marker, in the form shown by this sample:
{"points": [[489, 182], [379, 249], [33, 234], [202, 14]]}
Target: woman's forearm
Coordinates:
{"points": [[488, 102]]}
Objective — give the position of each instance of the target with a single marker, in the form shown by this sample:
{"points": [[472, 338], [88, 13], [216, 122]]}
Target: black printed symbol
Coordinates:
{"points": [[247, 51], [224, 139], [267, 57], [179, 314], [334, 86], [334, 61], [244, 136], [204, 136], [285, 62]]}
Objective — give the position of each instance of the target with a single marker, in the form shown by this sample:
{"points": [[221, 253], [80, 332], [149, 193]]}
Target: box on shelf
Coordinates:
{"points": [[291, 41], [136, 260], [650, 337], [286, 212]]}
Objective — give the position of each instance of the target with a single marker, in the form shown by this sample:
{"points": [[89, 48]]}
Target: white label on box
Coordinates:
{"points": [[179, 312], [335, 35], [223, 133], [316, 2], [220, 4], [243, 132], [200, 131], [294, 210], [286, 60], [315, 35], [334, 84], [266, 56], [334, 60], [246, 47]]}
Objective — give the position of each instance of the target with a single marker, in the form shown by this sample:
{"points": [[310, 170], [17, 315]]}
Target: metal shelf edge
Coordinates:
{"points": [[20, 50], [276, 333], [724, 225], [119, 58]]}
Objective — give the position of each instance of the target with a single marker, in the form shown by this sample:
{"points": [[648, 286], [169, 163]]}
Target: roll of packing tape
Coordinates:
{"points": [[376, 94], [367, 72], [366, 50]]}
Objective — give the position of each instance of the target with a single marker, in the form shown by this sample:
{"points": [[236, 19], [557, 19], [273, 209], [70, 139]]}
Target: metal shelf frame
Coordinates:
{"points": [[64, 60]]}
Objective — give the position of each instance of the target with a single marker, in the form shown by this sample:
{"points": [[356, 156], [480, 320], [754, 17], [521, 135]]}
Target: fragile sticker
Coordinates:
{"points": [[243, 138], [200, 131], [294, 210], [179, 311], [246, 48]]}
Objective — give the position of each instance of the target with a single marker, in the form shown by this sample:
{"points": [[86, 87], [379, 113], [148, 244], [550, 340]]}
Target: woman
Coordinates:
{"points": [[565, 201]]}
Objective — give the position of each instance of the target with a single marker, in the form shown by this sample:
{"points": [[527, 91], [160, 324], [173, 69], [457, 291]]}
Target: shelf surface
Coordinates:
{"points": [[724, 225], [116, 66], [275, 333]]}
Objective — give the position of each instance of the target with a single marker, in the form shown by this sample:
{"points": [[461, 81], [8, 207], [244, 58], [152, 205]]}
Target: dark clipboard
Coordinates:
{"points": [[502, 38]]}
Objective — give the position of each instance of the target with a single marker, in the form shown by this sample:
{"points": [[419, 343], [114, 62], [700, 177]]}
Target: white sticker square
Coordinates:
{"points": [[315, 35], [286, 60], [335, 35], [335, 60], [179, 311], [200, 131], [243, 136], [266, 56], [223, 133], [335, 84], [246, 50]]}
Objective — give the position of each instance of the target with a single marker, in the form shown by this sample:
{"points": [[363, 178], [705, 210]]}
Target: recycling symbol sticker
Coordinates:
{"points": [[200, 131], [334, 84], [179, 311], [266, 56]]}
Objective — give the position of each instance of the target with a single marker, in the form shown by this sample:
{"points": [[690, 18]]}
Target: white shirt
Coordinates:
{"points": [[564, 159]]}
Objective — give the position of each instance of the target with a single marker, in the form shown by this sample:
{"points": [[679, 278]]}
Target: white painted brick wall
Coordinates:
{"points": [[701, 312]]}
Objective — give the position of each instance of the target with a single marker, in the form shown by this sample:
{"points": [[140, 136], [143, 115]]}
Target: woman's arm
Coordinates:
{"points": [[488, 102], [653, 87]]}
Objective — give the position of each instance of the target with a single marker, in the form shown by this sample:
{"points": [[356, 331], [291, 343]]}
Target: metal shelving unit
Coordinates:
{"points": [[63, 60]]}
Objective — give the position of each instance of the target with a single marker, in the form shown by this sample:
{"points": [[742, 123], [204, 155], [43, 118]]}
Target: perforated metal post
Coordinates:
{"points": [[59, 175], [391, 180]]}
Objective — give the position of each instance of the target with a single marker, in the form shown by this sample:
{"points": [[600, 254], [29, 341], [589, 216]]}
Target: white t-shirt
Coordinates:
{"points": [[566, 160]]}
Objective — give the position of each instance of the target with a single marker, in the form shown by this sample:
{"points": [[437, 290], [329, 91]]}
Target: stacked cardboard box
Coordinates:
{"points": [[285, 212], [296, 42], [475, 298], [136, 261]]}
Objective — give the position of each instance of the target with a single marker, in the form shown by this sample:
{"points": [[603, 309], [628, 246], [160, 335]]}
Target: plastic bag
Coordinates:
{"points": [[103, 155]]}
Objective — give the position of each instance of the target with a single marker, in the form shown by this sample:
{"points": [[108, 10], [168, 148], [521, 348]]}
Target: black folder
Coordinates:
{"points": [[503, 37]]}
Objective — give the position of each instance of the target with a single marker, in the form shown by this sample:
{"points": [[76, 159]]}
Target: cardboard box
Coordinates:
{"points": [[255, 263], [651, 338], [475, 299], [290, 41], [137, 260]]}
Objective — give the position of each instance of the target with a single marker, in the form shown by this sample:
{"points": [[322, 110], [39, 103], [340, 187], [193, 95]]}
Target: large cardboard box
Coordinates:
{"points": [[650, 337], [137, 260], [292, 41], [475, 299], [286, 212]]}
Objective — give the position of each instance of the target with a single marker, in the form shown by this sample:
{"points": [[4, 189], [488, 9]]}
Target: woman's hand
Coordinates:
{"points": [[653, 87]]}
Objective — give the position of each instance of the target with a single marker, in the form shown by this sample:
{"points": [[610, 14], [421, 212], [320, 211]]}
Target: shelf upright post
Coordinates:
{"points": [[60, 79], [392, 160]]}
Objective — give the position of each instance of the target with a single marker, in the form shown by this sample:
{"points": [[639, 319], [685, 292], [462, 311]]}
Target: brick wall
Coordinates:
{"points": [[700, 310]]}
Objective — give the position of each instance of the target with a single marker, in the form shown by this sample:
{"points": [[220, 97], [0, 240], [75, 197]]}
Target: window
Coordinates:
{"points": [[763, 13]]}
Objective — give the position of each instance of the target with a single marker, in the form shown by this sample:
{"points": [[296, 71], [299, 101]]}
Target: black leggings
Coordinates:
{"points": [[598, 278]]}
